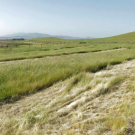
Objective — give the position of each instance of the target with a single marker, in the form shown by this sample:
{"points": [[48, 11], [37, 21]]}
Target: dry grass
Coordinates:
{"points": [[95, 104]]}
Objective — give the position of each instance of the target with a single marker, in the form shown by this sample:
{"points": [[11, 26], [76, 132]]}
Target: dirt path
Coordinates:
{"points": [[111, 50], [80, 111]]}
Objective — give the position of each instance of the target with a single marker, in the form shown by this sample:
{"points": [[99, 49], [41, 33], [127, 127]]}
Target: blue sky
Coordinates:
{"points": [[82, 18]]}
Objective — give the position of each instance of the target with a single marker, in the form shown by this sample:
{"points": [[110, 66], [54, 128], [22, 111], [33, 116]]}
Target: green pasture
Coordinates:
{"points": [[26, 77], [34, 49], [19, 78]]}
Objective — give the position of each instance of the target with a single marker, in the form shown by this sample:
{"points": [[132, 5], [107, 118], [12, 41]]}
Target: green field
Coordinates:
{"points": [[19, 78], [39, 48], [69, 87]]}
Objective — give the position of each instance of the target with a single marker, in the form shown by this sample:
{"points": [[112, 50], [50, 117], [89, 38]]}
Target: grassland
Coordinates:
{"points": [[73, 63], [28, 77], [40, 48], [86, 103]]}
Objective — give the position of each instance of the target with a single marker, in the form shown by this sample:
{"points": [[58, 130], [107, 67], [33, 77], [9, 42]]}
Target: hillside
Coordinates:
{"points": [[47, 39], [128, 37]]}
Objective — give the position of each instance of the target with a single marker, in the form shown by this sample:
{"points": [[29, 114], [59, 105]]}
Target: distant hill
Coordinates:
{"points": [[35, 35], [128, 37], [25, 35]]}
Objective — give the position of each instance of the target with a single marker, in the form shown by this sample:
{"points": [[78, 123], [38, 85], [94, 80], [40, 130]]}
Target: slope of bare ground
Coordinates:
{"points": [[85, 104]]}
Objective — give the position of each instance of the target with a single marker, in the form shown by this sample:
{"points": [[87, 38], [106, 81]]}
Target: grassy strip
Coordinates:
{"points": [[39, 50], [23, 78], [41, 54]]}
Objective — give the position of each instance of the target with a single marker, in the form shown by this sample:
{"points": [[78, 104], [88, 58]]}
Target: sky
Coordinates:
{"points": [[78, 18]]}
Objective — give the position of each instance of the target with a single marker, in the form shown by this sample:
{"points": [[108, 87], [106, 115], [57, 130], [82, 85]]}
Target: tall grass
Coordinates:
{"points": [[26, 77]]}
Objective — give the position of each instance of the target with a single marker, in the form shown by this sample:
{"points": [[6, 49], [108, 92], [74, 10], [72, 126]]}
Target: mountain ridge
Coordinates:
{"points": [[37, 35]]}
